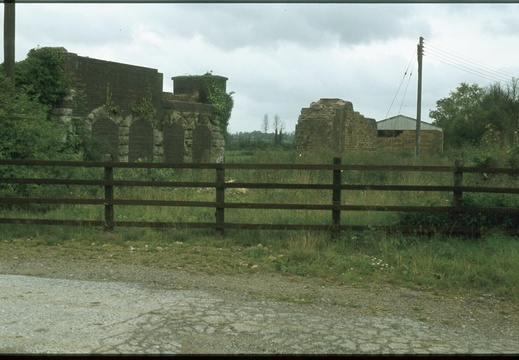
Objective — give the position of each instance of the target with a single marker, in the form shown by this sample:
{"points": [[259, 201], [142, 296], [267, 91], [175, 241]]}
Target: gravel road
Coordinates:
{"points": [[105, 308]]}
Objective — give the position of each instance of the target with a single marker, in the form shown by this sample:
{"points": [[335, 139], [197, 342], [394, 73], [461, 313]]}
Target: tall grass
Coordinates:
{"points": [[440, 263], [486, 265]]}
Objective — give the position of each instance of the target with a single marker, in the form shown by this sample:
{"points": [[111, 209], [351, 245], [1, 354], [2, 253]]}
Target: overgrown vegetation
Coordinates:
{"points": [[222, 101], [145, 108], [42, 75], [441, 263], [25, 131], [477, 116]]}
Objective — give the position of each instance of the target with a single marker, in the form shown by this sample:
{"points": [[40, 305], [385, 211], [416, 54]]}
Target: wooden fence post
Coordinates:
{"points": [[336, 199], [109, 195], [458, 183], [220, 199], [457, 196]]}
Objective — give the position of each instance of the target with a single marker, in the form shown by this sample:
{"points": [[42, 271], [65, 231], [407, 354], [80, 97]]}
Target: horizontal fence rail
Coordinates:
{"points": [[337, 189]]}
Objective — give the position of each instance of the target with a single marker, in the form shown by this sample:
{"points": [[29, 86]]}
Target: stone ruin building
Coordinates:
{"points": [[173, 127], [334, 125]]}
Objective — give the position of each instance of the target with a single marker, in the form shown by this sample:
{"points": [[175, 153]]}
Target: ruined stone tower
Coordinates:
{"points": [[333, 124]]}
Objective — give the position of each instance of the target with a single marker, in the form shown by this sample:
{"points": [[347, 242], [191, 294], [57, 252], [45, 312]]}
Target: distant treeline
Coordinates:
{"points": [[258, 140]]}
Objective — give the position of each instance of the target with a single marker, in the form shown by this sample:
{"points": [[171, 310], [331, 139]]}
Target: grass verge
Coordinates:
{"points": [[439, 263]]}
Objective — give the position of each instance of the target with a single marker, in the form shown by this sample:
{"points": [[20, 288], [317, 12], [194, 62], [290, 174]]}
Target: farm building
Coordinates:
{"points": [[398, 133]]}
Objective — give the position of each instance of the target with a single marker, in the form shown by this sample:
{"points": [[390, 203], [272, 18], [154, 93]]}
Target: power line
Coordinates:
{"points": [[399, 86], [473, 70], [405, 92], [467, 65], [470, 71], [479, 65], [457, 61]]}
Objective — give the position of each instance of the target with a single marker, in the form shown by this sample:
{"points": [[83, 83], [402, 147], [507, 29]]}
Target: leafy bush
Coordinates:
{"points": [[513, 156], [25, 132], [485, 160], [42, 75], [474, 220]]}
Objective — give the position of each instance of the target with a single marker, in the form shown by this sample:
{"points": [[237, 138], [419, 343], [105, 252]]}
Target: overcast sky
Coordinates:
{"points": [[281, 57]]}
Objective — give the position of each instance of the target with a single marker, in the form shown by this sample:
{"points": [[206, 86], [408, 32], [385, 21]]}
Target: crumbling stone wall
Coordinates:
{"points": [[333, 124], [103, 93], [186, 133], [189, 132]]}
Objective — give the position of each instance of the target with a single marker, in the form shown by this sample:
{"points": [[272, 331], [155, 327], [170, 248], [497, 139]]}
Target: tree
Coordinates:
{"points": [[459, 115], [500, 109], [9, 37], [475, 115], [42, 75], [265, 124], [279, 127], [25, 131]]}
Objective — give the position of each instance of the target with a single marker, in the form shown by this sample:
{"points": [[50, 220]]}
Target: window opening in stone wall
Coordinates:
{"points": [[389, 133], [106, 134], [202, 140], [141, 142], [173, 143]]}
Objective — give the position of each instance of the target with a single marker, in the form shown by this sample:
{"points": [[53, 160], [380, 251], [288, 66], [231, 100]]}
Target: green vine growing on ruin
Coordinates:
{"points": [[110, 106], [223, 102], [145, 108]]}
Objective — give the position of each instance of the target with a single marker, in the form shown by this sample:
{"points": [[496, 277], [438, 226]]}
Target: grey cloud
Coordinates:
{"points": [[309, 25], [503, 26], [225, 26], [73, 23]]}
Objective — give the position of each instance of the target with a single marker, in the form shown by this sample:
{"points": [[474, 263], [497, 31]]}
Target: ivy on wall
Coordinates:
{"points": [[145, 108], [223, 102], [110, 106]]}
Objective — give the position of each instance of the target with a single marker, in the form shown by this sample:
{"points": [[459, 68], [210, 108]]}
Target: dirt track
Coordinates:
{"points": [[104, 307]]}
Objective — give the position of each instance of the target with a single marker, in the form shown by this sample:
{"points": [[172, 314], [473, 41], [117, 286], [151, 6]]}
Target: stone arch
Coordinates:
{"points": [[105, 133], [140, 141], [202, 143], [173, 143]]}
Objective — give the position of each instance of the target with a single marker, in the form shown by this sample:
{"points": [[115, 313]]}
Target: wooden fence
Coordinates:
{"points": [[337, 188]]}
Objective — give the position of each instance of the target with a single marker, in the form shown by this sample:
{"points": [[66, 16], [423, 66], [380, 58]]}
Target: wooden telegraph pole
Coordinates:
{"points": [[9, 34], [419, 97]]}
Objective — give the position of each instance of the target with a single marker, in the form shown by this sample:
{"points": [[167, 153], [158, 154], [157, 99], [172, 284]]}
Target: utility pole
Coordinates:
{"points": [[9, 34], [419, 97]]}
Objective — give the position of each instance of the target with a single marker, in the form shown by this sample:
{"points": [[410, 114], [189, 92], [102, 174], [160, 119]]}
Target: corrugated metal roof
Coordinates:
{"points": [[402, 122]]}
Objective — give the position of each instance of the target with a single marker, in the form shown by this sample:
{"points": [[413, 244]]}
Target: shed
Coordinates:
{"points": [[399, 133]]}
